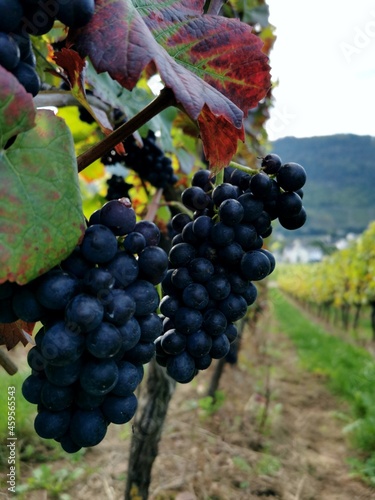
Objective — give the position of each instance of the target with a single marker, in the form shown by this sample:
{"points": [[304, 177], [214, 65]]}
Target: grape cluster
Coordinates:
{"points": [[148, 161], [216, 257], [21, 18], [98, 310], [117, 188]]}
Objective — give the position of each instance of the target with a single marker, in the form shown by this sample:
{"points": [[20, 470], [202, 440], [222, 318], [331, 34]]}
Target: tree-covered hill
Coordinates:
{"points": [[339, 193]]}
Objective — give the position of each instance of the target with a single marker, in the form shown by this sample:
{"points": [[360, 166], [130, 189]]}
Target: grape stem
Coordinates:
{"points": [[248, 170], [165, 99], [219, 179], [154, 205]]}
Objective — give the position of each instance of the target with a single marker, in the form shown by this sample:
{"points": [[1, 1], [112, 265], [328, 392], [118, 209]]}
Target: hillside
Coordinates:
{"points": [[339, 194]]}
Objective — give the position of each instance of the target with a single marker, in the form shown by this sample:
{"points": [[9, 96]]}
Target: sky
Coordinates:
{"points": [[323, 61]]}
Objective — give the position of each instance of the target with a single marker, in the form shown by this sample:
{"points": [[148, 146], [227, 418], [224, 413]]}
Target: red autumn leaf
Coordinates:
{"points": [[209, 62], [215, 144], [74, 73], [12, 333]]}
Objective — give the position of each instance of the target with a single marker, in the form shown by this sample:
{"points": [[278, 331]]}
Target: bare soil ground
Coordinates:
{"points": [[276, 435]]}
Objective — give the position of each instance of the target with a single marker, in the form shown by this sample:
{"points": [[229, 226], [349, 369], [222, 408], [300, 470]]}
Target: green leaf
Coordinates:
{"points": [[41, 217], [131, 103], [17, 112]]}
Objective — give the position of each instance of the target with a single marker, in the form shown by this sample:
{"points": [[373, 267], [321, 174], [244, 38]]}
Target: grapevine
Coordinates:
{"points": [[111, 287]]}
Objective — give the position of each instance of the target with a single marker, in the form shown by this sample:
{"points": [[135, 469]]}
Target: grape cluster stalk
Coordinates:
{"points": [[20, 19], [216, 257]]}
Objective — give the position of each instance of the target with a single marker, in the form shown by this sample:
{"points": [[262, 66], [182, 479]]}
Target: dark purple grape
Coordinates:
{"points": [[141, 353], [153, 263], [52, 424], [120, 306], [233, 307], [231, 212], [134, 243], [187, 320], [120, 410], [179, 221], [291, 176], [56, 398], [271, 164], [26, 306], [9, 52], [220, 346], [56, 288], [99, 376], [28, 77], [294, 222], [118, 216], [223, 192], [173, 342], [99, 244], [214, 322], [252, 206], [181, 367], [145, 296], [260, 185], [104, 342], [151, 327], [61, 346], [124, 268], [10, 15], [181, 254], [195, 198], [198, 344], [255, 265], [75, 13], [88, 427], [203, 179], [201, 269], [288, 204], [195, 296], [84, 313], [129, 377], [149, 230]]}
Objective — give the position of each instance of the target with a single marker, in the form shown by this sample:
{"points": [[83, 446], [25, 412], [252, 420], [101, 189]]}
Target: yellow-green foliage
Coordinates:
{"points": [[345, 277]]}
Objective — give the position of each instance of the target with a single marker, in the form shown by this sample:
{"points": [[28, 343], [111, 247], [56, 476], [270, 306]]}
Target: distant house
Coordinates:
{"points": [[297, 252]]}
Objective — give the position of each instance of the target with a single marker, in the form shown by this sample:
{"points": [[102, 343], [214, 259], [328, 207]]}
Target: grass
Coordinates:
{"points": [[25, 412], [349, 371], [30, 447]]}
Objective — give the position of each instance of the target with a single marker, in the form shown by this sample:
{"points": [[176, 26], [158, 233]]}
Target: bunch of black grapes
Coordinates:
{"points": [[21, 18], [117, 188], [148, 161], [216, 257], [99, 314]]}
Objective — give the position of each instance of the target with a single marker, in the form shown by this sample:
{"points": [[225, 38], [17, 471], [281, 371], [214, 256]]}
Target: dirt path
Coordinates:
{"points": [[275, 436]]}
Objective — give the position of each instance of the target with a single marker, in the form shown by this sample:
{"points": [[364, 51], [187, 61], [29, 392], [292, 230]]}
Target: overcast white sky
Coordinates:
{"points": [[324, 61]]}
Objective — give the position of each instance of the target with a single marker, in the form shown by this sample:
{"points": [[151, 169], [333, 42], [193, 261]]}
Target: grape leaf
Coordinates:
{"points": [[12, 333], [130, 103], [209, 62], [17, 112], [74, 68], [41, 217]]}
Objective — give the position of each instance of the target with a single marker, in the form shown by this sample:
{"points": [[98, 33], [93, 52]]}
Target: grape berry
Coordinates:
{"points": [[20, 19]]}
